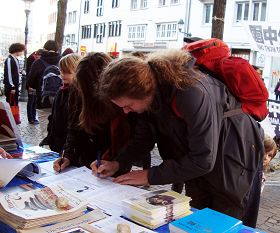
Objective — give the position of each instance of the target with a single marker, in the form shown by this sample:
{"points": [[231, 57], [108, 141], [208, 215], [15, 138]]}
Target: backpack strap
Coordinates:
{"points": [[229, 113], [233, 112], [44, 63]]}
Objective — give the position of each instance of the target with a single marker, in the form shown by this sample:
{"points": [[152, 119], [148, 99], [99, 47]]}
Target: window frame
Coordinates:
{"points": [[133, 30], [167, 31]]}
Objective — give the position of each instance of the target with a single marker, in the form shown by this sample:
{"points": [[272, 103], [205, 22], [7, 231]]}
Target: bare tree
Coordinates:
{"points": [[60, 23], [219, 9]]}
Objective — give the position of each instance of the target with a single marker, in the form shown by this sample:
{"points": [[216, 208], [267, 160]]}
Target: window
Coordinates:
{"points": [[144, 4], [86, 31], [99, 9], [52, 18], [259, 10], [242, 11], [69, 17], [166, 31], [86, 7], [74, 16], [208, 12], [133, 4], [162, 3], [99, 32], [137, 32], [174, 2], [115, 3], [72, 38], [115, 28]]}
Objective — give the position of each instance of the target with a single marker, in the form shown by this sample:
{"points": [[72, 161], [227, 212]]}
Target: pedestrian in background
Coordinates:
{"points": [[31, 102], [277, 91], [49, 56], [11, 72], [58, 120], [219, 158]]}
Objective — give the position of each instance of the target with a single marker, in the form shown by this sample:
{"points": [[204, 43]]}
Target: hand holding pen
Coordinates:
{"points": [[61, 163]]}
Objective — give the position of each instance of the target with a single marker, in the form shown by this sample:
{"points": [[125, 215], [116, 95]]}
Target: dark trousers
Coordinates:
{"points": [[31, 106]]}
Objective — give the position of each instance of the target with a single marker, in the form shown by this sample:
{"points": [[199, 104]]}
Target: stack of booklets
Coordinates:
{"points": [[40, 207], [208, 220], [154, 209]]}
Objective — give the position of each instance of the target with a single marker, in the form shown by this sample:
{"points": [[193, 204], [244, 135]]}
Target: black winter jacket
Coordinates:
{"points": [[58, 121], [37, 69], [223, 152], [11, 74]]}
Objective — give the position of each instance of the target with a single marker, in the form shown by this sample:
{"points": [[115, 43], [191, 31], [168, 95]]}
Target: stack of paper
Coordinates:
{"points": [[206, 220], [40, 207], [156, 208]]}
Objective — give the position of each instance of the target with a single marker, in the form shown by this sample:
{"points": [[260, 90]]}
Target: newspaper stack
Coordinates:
{"points": [[40, 207], [154, 209]]}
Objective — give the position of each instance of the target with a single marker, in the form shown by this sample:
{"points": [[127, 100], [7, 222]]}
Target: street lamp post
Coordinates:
{"points": [[23, 92], [180, 27]]}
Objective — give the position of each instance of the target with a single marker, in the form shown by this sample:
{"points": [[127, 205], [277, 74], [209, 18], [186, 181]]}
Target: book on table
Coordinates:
{"points": [[156, 208], [206, 221], [9, 134], [40, 207]]}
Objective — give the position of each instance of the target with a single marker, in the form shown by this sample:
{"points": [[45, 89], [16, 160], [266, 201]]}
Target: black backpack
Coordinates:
{"points": [[51, 82]]}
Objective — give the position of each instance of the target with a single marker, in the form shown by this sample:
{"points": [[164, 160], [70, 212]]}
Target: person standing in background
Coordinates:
{"points": [[277, 91], [49, 56], [31, 103], [11, 71]]}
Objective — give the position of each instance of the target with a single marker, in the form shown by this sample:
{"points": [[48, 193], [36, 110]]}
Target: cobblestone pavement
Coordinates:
{"points": [[269, 214]]}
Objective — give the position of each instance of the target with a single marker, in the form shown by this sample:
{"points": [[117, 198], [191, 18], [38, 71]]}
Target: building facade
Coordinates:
{"points": [[123, 26]]}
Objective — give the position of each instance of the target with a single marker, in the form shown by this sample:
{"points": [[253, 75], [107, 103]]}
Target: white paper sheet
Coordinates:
{"points": [[9, 168]]}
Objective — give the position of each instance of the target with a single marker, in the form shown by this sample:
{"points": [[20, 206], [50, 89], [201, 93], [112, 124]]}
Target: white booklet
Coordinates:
{"points": [[9, 168]]}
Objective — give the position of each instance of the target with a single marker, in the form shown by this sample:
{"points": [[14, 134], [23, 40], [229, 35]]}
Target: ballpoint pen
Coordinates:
{"points": [[61, 161], [98, 157]]}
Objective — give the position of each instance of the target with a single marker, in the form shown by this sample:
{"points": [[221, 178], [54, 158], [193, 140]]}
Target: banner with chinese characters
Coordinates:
{"points": [[264, 37], [272, 123]]}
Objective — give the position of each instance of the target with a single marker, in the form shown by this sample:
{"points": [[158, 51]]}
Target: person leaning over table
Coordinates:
{"points": [[93, 126], [219, 158], [4, 154]]}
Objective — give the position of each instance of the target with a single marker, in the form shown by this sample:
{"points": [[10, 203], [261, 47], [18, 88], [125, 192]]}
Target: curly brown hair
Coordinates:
{"points": [[137, 78]]}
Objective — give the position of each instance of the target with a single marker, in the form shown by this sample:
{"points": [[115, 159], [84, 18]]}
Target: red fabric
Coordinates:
{"points": [[14, 109], [240, 77]]}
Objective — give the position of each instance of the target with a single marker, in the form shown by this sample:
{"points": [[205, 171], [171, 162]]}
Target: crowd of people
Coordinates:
{"points": [[120, 108]]}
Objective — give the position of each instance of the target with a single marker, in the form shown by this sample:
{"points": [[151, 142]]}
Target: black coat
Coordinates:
{"points": [[222, 153], [58, 121]]}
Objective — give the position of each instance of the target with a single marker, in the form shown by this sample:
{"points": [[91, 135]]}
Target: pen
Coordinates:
{"points": [[98, 162], [61, 161]]}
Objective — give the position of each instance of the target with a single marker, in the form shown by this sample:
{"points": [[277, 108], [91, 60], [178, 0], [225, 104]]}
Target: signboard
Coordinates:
{"points": [[83, 48], [272, 123], [264, 37]]}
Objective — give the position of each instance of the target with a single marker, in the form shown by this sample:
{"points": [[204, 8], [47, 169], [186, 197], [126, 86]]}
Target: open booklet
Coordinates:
{"points": [[9, 168]]}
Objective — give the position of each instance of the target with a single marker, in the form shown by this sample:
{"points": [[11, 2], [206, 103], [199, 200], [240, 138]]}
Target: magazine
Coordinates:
{"points": [[70, 225], [40, 207]]}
